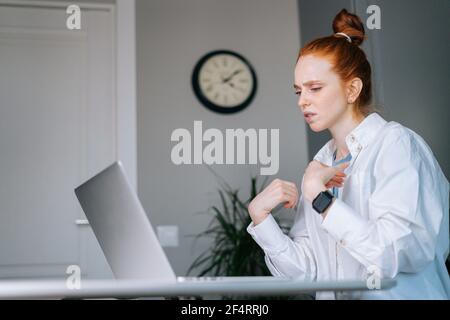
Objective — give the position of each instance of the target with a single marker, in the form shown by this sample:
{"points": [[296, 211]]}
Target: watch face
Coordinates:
{"points": [[322, 201], [224, 81]]}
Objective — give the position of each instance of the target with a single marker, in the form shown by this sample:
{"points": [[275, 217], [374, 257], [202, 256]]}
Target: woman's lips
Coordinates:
{"points": [[309, 116]]}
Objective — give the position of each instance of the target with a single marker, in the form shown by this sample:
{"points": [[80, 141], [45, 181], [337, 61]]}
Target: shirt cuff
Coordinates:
{"points": [[268, 235], [342, 222]]}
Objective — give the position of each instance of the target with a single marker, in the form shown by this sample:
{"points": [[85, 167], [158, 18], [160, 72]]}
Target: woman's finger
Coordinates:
{"points": [[341, 167], [340, 174], [290, 187], [285, 195], [291, 198], [336, 180], [344, 165], [291, 184], [333, 184]]}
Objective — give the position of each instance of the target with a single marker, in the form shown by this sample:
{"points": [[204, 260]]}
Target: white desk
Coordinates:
{"points": [[57, 289]]}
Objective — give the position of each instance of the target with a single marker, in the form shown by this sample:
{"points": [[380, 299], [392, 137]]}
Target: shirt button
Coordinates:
{"points": [[342, 242], [352, 138], [359, 148]]}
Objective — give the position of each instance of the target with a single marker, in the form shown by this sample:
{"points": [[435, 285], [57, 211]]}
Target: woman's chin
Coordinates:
{"points": [[316, 127]]}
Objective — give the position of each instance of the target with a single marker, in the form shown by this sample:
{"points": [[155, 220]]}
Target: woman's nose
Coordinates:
{"points": [[303, 102]]}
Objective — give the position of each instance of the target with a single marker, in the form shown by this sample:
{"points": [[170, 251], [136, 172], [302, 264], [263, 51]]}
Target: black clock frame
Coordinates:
{"points": [[205, 101]]}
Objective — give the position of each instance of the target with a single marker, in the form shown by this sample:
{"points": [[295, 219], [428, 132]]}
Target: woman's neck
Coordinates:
{"points": [[341, 129]]}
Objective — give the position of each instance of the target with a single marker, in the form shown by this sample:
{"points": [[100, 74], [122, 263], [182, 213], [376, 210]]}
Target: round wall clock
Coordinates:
{"points": [[224, 81]]}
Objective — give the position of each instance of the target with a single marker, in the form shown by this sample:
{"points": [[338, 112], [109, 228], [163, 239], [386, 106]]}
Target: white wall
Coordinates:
{"points": [[171, 36]]}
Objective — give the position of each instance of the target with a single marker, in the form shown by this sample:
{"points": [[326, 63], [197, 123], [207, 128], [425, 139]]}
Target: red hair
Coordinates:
{"points": [[347, 58]]}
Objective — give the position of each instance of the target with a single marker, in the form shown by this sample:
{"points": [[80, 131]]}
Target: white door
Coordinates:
{"points": [[57, 127]]}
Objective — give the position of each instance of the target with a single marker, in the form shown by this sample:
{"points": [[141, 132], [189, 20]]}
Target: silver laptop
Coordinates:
{"points": [[124, 231]]}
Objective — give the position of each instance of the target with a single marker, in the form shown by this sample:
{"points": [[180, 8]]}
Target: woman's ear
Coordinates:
{"points": [[354, 88]]}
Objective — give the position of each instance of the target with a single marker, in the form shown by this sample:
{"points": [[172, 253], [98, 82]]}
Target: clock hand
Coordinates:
{"points": [[231, 76]]}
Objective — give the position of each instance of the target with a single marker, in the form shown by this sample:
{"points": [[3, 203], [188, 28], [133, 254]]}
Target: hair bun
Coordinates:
{"points": [[351, 25]]}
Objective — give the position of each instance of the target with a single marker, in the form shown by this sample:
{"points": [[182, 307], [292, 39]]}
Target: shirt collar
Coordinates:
{"points": [[359, 138]]}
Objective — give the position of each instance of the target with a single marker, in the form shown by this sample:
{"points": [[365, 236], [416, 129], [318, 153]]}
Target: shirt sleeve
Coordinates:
{"points": [[405, 213], [286, 256]]}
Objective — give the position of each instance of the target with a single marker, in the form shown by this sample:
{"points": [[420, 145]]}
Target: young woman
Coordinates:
{"points": [[374, 200]]}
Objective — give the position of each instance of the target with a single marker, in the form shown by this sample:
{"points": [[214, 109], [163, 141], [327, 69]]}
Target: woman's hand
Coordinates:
{"points": [[278, 191], [319, 177]]}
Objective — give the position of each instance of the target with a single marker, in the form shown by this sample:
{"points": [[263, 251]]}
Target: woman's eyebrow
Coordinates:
{"points": [[307, 83]]}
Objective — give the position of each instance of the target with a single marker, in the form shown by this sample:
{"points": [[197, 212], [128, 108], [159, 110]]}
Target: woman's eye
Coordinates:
{"points": [[298, 93], [316, 89]]}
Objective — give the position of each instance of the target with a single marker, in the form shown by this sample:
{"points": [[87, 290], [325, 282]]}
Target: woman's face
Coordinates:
{"points": [[322, 97]]}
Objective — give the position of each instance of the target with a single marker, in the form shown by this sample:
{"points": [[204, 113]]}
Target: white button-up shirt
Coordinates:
{"points": [[391, 219]]}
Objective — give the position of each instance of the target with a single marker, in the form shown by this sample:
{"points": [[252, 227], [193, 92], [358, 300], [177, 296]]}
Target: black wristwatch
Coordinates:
{"points": [[322, 201]]}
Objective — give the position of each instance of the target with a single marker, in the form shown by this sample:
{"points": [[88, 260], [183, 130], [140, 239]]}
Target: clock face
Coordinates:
{"points": [[224, 81]]}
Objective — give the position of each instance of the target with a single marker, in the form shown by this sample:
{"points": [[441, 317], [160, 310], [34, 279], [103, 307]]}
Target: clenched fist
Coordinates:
{"points": [[278, 191]]}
